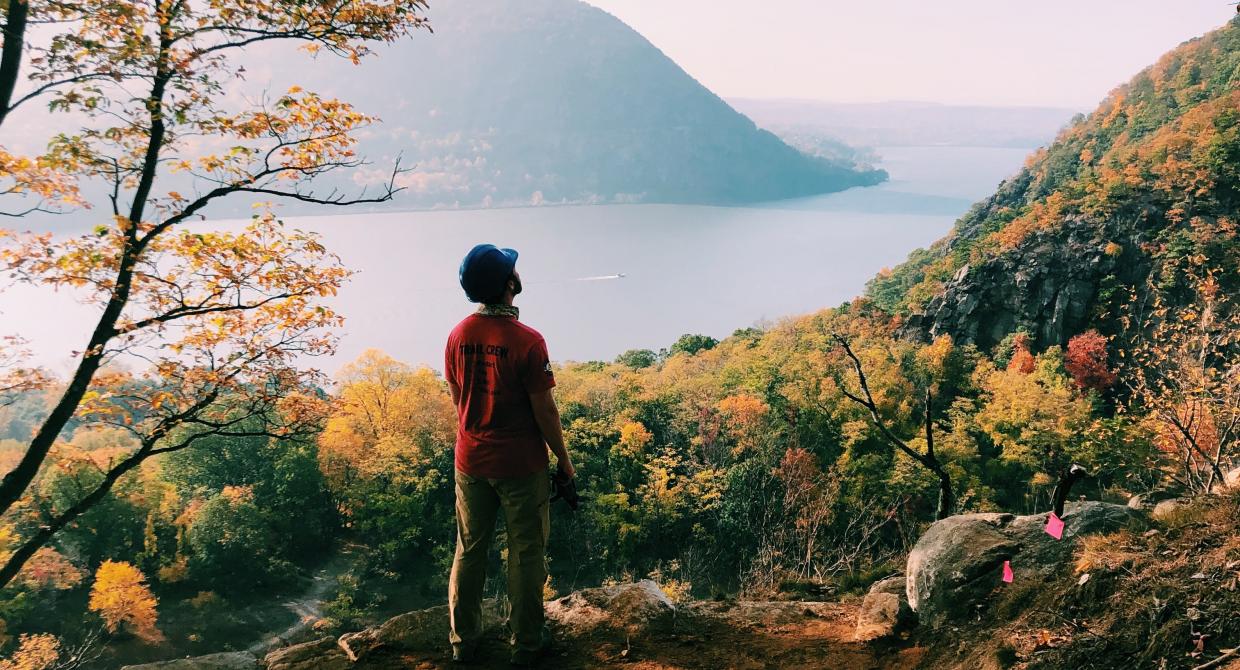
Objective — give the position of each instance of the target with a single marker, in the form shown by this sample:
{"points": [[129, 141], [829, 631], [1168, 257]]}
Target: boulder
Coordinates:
{"points": [[321, 654], [1168, 508], [631, 608], [884, 610], [953, 563], [422, 630], [957, 564], [1145, 502], [232, 660]]}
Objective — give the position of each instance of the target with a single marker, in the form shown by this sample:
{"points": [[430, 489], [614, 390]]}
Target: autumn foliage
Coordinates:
{"points": [[193, 441], [202, 328], [1150, 176], [121, 597], [1086, 361], [34, 652]]}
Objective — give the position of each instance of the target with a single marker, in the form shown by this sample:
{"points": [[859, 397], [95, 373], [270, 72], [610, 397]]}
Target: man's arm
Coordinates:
{"points": [[548, 417], [456, 395]]}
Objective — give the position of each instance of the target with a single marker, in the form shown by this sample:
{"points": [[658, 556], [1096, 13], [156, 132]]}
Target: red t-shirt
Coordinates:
{"points": [[497, 362]]}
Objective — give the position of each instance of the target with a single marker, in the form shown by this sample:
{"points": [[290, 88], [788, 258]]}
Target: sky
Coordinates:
{"points": [[1055, 53]]}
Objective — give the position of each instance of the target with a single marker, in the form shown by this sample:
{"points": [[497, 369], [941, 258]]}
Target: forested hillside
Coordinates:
{"points": [[548, 101], [1085, 314], [1132, 207]]}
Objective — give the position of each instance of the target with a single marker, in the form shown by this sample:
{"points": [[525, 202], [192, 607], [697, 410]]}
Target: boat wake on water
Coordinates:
{"points": [[601, 277]]}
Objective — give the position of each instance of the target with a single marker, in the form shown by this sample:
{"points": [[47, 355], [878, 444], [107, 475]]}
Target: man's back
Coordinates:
{"points": [[500, 377], [497, 362]]}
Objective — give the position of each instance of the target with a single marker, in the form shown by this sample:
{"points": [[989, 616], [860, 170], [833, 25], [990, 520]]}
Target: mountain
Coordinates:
{"points": [[548, 101], [1133, 200], [893, 124]]}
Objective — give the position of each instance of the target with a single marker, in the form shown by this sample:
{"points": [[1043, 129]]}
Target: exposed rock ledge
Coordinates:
{"points": [[951, 573], [957, 564], [609, 627]]}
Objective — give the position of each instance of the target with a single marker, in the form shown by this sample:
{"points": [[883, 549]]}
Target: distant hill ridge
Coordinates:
{"points": [[905, 123], [1123, 202], [543, 101]]}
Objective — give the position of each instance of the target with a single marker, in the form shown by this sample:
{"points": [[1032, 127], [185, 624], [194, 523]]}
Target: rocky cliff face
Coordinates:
{"points": [[1136, 198], [1057, 284]]}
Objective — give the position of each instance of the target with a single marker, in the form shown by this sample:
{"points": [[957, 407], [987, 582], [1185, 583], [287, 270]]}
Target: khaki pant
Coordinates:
{"points": [[525, 504]]}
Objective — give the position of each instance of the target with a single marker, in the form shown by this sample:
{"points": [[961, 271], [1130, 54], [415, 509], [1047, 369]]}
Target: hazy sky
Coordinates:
{"points": [[1062, 53]]}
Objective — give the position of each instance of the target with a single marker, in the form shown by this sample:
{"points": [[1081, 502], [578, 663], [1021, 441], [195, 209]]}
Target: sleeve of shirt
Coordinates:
{"points": [[449, 363], [536, 374]]}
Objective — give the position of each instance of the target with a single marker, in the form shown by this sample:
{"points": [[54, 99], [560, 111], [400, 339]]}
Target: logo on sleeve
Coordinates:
{"points": [[547, 369]]}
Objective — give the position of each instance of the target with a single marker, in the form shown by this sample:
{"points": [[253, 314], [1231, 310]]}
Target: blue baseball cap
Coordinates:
{"points": [[485, 270]]}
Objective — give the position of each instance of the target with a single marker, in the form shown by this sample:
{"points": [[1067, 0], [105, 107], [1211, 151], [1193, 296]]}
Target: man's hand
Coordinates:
{"points": [[564, 487], [566, 466]]}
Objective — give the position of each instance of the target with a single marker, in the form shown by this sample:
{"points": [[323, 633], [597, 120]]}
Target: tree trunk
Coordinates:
{"points": [[1067, 479], [18, 480], [1216, 474], [46, 531], [11, 55], [947, 498]]}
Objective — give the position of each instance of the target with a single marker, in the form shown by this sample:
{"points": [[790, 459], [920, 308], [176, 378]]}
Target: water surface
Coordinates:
{"points": [[688, 269]]}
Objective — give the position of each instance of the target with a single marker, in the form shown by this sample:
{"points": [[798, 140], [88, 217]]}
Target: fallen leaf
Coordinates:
{"points": [[1044, 638]]}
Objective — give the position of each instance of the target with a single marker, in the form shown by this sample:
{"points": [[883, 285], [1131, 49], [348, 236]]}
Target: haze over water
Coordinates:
{"points": [[688, 269]]}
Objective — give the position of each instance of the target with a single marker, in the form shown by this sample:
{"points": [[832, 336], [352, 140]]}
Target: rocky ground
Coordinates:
{"points": [[632, 626], [1136, 586]]}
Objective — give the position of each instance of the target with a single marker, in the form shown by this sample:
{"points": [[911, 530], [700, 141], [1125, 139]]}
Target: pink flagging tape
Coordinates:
{"points": [[1007, 571], [1054, 527]]}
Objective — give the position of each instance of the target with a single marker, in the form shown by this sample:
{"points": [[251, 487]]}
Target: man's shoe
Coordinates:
{"points": [[528, 658], [464, 654]]}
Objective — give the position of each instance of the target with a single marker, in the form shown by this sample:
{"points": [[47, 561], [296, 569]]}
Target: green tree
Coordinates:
{"points": [[232, 547], [112, 528], [638, 358], [283, 476], [691, 344]]}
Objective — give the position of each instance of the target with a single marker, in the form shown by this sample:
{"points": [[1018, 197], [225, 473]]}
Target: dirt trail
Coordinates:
{"points": [[745, 636], [307, 606]]}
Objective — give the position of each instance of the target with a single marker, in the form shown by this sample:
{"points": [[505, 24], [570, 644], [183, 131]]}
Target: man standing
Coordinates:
{"points": [[500, 376]]}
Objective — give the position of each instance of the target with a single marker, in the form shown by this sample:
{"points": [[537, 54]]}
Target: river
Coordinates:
{"points": [[686, 269]]}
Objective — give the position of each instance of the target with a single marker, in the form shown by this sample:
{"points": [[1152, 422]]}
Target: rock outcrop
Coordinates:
{"points": [[630, 608], [1167, 509], [1145, 502], [958, 562], [1048, 287], [321, 654], [413, 631], [1231, 480], [885, 610]]}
